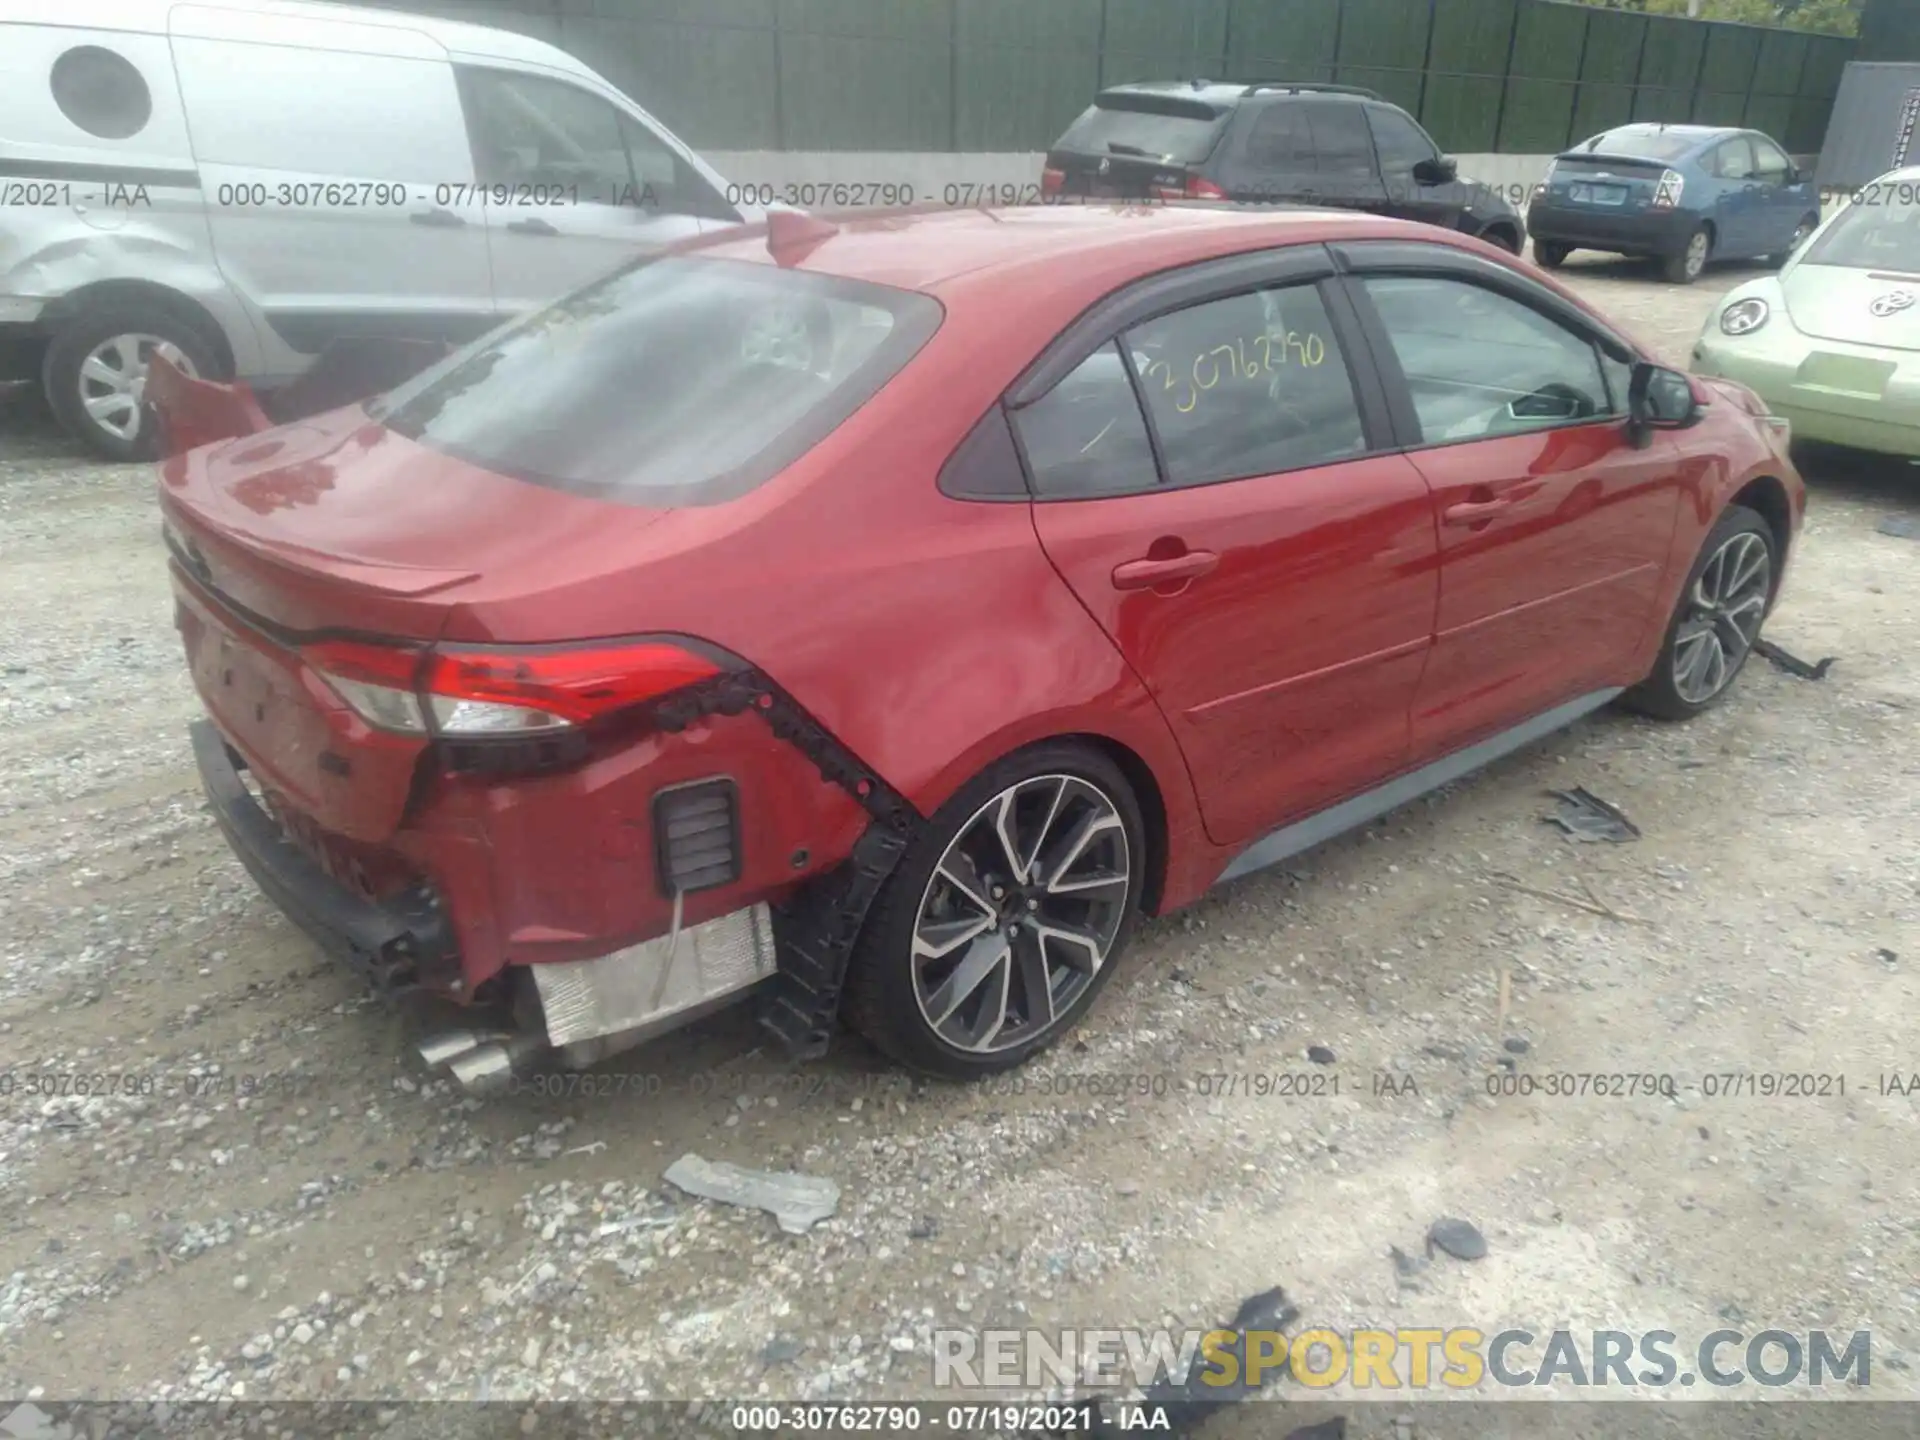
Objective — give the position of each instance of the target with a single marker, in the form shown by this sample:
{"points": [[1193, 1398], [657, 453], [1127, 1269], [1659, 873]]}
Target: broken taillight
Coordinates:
{"points": [[476, 692]]}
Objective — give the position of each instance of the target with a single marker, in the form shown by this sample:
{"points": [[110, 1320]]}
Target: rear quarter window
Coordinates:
{"points": [[677, 381]]}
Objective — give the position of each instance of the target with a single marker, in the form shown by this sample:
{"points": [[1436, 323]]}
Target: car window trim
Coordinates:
{"points": [[1117, 318], [1408, 432], [1160, 294]]}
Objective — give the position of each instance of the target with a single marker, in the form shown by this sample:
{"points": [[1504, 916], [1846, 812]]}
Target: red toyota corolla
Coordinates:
{"points": [[877, 617]]}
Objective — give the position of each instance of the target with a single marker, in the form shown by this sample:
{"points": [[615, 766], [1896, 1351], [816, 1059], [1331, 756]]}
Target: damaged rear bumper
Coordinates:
{"points": [[391, 943]]}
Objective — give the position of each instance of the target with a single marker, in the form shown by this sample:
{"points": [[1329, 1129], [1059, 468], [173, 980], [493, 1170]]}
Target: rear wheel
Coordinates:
{"points": [[1684, 266], [1006, 916], [1716, 622], [1550, 255], [96, 373]]}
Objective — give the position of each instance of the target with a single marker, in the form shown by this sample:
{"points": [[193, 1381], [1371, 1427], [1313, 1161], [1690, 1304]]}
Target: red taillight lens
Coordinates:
{"points": [[502, 690], [1052, 181], [1194, 189]]}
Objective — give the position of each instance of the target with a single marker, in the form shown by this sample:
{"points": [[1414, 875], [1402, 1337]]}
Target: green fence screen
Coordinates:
{"points": [[1526, 76]]}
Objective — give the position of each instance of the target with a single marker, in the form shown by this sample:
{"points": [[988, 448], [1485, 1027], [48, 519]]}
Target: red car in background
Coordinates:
{"points": [[876, 617]]}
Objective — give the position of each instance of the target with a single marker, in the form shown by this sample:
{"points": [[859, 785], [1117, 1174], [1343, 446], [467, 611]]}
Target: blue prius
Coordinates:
{"points": [[1683, 194]]}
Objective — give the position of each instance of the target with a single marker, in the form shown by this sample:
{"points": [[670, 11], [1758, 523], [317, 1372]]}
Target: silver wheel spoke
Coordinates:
{"points": [[1076, 845], [1046, 825], [1036, 978], [938, 938], [1003, 825], [1075, 947], [103, 406], [987, 954], [99, 371], [958, 872]]}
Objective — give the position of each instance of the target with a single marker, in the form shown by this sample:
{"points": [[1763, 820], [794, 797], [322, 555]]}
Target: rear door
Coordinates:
{"points": [[1136, 144], [572, 186], [1214, 486], [1554, 528], [337, 173]]}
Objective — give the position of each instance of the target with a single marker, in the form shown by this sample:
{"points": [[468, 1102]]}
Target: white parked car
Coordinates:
{"points": [[237, 184]]}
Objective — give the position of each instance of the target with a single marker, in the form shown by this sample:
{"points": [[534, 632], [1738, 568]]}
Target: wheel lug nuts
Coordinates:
{"points": [[1033, 904], [999, 892]]}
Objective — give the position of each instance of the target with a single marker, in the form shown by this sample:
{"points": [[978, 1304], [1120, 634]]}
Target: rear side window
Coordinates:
{"points": [[677, 381], [1281, 138], [1250, 385], [1179, 135], [101, 92], [1770, 162], [1733, 160], [1086, 436]]}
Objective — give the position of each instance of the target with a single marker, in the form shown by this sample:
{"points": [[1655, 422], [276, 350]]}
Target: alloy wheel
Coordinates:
{"points": [[1725, 609], [113, 379], [1696, 253], [1021, 913]]}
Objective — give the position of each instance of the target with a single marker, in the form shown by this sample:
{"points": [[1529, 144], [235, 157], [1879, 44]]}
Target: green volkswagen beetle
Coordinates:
{"points": [[1832, 343]]}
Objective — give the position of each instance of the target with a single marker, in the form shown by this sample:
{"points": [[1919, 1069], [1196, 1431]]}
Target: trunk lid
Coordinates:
{"points": [[332, 526], [1129, 145], [1606, 184]]}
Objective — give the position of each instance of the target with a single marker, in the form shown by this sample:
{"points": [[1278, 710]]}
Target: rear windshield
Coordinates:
{"points": [[676, 381], [1640, 144], [1126, 126], [1880, 231]]}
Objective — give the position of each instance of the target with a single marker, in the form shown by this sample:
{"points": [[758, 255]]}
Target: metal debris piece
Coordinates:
{"points": [[1514, 1045], [1407, 1269], [1791, 663], [1901, 527], [1319, 1054], [1459, 1238], [1188, 1399], [1892, 957], [1585, 816], [798, 1202]]}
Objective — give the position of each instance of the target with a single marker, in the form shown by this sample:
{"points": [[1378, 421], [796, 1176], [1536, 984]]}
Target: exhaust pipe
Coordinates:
{"points": [[482, 1062]]}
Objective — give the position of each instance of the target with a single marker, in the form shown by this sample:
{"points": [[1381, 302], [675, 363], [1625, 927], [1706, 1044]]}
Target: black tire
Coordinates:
{"points": [[77, 339], [1659, 695], [1808, 224], [1689, 262], [1550, 256], [1503, 236], [881, 1000]]}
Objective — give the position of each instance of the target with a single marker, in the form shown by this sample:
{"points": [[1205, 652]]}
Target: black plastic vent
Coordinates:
{"points": [[696, 835]]}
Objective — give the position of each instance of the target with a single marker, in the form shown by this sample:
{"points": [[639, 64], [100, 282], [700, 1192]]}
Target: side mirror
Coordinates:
{"points": [[1660, 399], [1437, 170]]}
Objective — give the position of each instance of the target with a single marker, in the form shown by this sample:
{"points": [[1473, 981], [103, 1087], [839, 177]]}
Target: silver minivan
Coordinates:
{"points": [[236, 184]]}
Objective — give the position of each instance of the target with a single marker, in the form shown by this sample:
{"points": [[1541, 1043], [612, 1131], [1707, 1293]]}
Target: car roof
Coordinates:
{"points": [[1699, 134], [148, 17], [1228, 93], [1051, 248]]}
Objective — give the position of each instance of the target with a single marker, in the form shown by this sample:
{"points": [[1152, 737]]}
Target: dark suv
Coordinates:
{"points": [[1276, 142]]}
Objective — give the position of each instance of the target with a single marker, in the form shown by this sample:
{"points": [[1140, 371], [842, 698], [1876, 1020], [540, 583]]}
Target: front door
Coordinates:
{"points": [[1265, 570], [1402, 146], [1554, 528]]}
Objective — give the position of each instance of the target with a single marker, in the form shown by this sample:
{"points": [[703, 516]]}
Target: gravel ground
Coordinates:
{"points": [[293, 1212]]}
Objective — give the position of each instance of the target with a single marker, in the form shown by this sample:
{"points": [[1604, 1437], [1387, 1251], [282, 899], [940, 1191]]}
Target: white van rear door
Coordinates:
{"points": [[574, 186], [337, 175]]}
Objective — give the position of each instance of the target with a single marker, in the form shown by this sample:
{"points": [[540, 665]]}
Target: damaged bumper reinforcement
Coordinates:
{"points": [[797, 952]]}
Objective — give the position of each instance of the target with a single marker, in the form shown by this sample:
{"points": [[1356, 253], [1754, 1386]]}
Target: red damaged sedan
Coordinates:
{"points": [[872, 619]]}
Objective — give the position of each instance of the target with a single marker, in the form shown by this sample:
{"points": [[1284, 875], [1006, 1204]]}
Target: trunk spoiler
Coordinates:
{"points": [[1602, 157], [187, 412]]}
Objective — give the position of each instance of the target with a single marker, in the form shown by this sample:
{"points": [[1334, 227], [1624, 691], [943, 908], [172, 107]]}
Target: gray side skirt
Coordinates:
{"points": [[1290, 840]]}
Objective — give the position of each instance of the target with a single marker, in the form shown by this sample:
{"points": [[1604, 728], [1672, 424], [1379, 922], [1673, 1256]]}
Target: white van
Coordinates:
{"points": [[236, 183]]}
